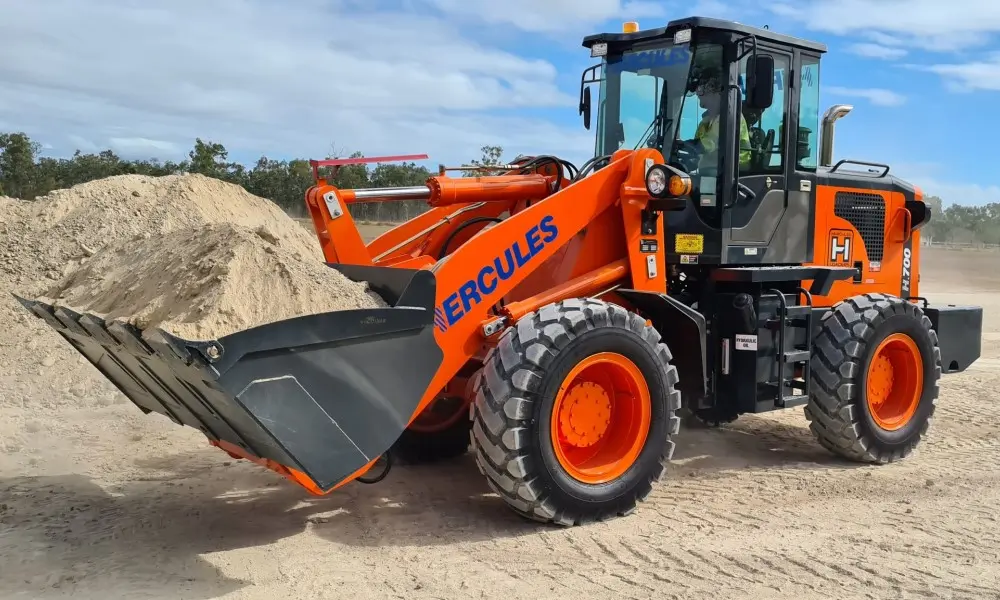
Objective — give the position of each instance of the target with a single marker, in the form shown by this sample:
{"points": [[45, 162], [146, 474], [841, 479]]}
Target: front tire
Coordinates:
{"points": [[875, 370], [575, 411]]}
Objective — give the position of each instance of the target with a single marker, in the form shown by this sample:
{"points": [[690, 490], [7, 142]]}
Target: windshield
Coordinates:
{"points": [[654, 96]]}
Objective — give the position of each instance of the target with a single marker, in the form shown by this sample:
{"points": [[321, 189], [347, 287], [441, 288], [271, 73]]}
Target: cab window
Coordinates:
{"points": [[807, 152], [766, 128], [640, 95]]}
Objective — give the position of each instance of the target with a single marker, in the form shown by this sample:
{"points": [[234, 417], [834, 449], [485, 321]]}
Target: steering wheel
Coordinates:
{"points": [[686, 155]]}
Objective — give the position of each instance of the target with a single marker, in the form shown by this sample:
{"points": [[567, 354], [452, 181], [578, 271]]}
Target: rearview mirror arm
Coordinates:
{"points": [[585, 100]]}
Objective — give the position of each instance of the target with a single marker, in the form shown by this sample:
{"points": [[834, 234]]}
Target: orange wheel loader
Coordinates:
{"points": [[709, 261]]}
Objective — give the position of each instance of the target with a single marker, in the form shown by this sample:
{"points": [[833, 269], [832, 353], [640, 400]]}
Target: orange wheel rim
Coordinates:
{"points": [[600, 419], [895, 382]]}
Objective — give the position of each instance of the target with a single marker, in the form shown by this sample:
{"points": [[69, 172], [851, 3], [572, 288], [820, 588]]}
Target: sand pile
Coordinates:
{"points": [[124, 245], [42, 240], [8, 208], [206, 282]]}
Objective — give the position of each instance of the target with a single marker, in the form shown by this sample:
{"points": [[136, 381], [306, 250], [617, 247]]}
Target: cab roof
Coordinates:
{"points": [[702, 23]]}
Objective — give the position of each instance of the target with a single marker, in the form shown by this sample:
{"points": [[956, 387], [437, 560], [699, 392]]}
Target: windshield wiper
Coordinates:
{"points": [[655, 135]]}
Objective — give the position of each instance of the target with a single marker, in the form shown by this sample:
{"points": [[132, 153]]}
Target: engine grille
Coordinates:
{"points": [[866, 212]]}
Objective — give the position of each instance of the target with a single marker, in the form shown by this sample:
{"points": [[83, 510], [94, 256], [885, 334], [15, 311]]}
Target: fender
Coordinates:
{"points": [[683, 329]]}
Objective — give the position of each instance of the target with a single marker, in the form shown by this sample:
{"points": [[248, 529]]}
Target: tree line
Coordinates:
{"points": [[24, 173], [961, 224]]}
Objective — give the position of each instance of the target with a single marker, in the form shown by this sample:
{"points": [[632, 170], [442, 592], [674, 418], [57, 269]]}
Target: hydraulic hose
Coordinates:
{"points": [[447, 242]]}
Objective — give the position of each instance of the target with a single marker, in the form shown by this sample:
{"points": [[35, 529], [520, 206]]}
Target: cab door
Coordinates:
{"points": [[754, 221]]}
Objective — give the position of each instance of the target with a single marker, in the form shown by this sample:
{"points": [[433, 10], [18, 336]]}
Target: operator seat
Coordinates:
{"points": [[761, 141]]}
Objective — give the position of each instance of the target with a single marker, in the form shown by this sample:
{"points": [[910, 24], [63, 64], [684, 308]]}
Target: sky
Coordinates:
{"points": [[304, 78]]}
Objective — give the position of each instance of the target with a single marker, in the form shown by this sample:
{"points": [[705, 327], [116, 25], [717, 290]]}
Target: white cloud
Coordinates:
{"points": [[144, 147], [80, 143], [876, 51], [933, 179], [551, 15], [876, 96], [884, 39], [962, 77], [894, 26], [929, 24], [265, 77], [568, 19], [952, 192]]}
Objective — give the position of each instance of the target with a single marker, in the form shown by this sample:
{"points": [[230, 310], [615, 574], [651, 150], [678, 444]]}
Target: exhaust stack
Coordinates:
{"points": [[826, 140]]}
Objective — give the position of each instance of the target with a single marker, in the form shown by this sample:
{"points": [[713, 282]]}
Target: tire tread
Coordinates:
{"points": [[503, 408], [833, 409]]}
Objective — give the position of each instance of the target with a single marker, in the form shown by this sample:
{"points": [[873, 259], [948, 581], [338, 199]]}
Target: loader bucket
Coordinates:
{"points": [[324, 394]]}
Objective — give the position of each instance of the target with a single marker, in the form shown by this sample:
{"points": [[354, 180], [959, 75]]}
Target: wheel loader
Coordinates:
{"points": [[710, 261]]}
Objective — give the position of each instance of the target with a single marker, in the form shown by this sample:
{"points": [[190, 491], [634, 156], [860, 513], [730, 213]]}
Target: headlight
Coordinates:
{"points": [[664, 181], [656, 181]]}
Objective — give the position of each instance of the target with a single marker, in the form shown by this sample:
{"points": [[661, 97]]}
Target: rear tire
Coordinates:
{"points": [[714, 417], [537, 366], [875, 370]]}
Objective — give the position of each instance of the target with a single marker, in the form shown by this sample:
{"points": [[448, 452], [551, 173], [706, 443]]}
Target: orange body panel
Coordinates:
{"points": [[588, 284], [598, 244], [348, 248], [612, 235], [634, 198], [886, 276]]}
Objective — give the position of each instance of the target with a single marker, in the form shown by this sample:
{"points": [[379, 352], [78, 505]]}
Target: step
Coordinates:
{"points": [[797, 356], [792, 401], [802, 310]]}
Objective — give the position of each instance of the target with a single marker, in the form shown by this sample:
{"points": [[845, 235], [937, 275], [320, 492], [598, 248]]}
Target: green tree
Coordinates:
{"points": [[491, 157], [26, 175], [351, 177], [17, 165], [283, 182], [208, 158], [398, 175]]}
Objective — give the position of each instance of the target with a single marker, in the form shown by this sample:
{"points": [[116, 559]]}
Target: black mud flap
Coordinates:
{"points": [[684, 332], [324, 394]]}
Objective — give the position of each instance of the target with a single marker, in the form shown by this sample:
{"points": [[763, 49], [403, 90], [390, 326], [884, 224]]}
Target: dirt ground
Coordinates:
{"points": [[99, 501]]}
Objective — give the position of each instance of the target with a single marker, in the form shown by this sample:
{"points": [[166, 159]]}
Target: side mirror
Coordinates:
{"points": [[760, 82], [585, 107]]}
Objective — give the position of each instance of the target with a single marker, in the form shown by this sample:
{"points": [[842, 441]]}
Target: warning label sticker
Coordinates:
{"points": [[689, 243], [745, 342]]}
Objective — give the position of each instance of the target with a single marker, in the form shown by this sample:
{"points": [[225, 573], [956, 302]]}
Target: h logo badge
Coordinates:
{"points": [[840, 247]]}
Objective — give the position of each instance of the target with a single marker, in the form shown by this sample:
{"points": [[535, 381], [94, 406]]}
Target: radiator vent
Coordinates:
{"points": [[866, 212]]}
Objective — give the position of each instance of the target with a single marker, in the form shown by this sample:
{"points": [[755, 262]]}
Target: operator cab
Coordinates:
{"points": [[679, 89]]}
